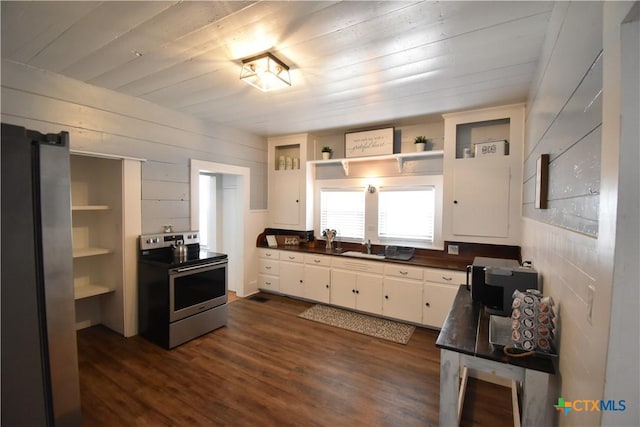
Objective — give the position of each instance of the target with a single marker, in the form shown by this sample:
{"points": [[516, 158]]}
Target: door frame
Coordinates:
{"points": [[198, 166]]}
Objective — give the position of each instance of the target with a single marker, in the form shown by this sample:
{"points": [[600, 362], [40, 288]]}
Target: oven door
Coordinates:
{"points": [[195, 289]]}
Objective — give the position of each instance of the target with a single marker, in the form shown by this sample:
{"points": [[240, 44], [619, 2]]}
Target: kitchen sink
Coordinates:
{"points": [[362, 255]]}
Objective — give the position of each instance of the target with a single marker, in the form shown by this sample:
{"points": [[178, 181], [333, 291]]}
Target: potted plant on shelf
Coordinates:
{"points": [[326, 153], [421, 143]]}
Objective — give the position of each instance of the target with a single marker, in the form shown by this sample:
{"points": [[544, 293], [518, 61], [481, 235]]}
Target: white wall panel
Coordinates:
{"points": [[584, 140], [103, 121], [579, 24]]}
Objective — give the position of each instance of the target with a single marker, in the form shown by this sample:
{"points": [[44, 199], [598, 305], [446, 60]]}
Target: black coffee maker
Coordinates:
{"points": [[494, 280]]}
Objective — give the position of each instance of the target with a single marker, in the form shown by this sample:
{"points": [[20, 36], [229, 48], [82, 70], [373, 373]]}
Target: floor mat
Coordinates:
{"points": [[361, 323]]}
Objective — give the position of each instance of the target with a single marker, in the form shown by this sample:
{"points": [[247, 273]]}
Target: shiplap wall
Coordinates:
{"points": [[104, 121], [572, 243], [564, 121]]}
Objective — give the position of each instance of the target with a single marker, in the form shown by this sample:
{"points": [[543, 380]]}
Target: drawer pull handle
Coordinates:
{"points": [[292, 257], [268, 268], [316, 260], [267, 283], [448, 279], [268, 254], [404, 273]]}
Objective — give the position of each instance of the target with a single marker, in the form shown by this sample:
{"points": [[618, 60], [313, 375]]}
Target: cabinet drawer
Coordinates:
{"points": [[356, 265], [269, 253], [292, 257], [452, 277], [268, 283], [268, 266], [397, 270], [317, 260]]}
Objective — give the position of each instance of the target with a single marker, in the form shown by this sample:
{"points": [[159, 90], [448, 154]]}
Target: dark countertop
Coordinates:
{"points": [[433, 258], [420, 259], [466, 330]]}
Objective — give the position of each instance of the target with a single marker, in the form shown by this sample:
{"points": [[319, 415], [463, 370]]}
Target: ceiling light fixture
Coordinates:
{"points": [[265, 72]]}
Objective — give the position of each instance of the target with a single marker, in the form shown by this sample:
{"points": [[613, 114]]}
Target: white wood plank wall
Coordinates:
{"points": [[571, 244], [564, 120], [107, 122]]}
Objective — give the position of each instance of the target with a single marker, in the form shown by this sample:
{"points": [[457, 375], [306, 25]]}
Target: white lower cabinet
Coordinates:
{"points": [[317, 278], [403, 299], [414, 294], [403, 292], [292, 278], [269, 270], [359, 291], [436, 302], [440, 289]]}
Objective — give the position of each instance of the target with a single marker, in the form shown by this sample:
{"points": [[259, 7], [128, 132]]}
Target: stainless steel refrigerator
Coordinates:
{"points": [[40, 384]]}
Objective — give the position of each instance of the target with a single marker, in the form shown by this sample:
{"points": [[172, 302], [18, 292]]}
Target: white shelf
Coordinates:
{"points": [[90, 290], [87, 252], [401, 158], [90, 208]]}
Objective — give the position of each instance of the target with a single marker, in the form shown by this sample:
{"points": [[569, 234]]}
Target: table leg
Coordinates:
{"points": [[449, 387], [536, 409]]}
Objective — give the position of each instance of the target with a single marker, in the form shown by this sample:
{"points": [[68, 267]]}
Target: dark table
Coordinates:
{"points": [[464, 344]]}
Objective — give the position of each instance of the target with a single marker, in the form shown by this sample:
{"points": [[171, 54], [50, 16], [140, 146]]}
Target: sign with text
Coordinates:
{"points": [[369, 143]]}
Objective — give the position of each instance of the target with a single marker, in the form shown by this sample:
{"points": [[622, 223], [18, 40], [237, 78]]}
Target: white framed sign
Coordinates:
{"points": [[375, 142]]}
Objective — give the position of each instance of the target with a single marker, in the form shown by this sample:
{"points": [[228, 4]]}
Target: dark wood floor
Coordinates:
{"points": [[268, 367]]}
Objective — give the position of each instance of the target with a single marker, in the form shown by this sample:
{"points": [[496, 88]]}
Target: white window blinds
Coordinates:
{"points": [[406, 213], [343, 210]]}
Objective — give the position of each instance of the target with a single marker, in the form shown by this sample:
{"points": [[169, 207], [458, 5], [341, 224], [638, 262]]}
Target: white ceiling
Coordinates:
{"points": [[353, 64]]}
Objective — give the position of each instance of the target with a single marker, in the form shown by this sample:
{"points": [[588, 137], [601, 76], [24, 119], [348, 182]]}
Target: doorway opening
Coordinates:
{"points": [[219, 204]]}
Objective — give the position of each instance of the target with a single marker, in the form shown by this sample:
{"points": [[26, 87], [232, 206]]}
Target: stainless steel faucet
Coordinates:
{"points": [[368, 246]]}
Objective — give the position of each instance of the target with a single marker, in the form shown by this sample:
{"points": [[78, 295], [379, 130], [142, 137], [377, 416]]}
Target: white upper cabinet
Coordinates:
{"points": [[483, 175], [289, 207]]}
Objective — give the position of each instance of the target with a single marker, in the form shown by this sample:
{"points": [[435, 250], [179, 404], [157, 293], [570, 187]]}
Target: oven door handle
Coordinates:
{"points": [[200, 266]]}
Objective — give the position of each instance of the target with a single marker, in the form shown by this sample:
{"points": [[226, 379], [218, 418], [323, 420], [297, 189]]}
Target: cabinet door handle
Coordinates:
{"points": [[448, 279], [455, 202], [327, 286], [357, 291], [300, 280], [428, 305], [386, 297], [353, 291]]}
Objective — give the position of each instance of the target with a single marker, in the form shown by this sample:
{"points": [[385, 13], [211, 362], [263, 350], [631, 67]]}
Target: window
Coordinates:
{"points": [[343, 210], [406, 213]]}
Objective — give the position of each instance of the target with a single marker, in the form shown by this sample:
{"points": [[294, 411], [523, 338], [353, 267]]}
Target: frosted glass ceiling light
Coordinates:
{"points": [[266, 72]]}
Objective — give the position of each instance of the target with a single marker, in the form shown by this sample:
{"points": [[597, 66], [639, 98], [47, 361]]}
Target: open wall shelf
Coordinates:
{"points": [[401, 158]]}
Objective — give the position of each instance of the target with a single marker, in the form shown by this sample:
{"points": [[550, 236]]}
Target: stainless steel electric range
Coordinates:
{"points": [[179, 298]]}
